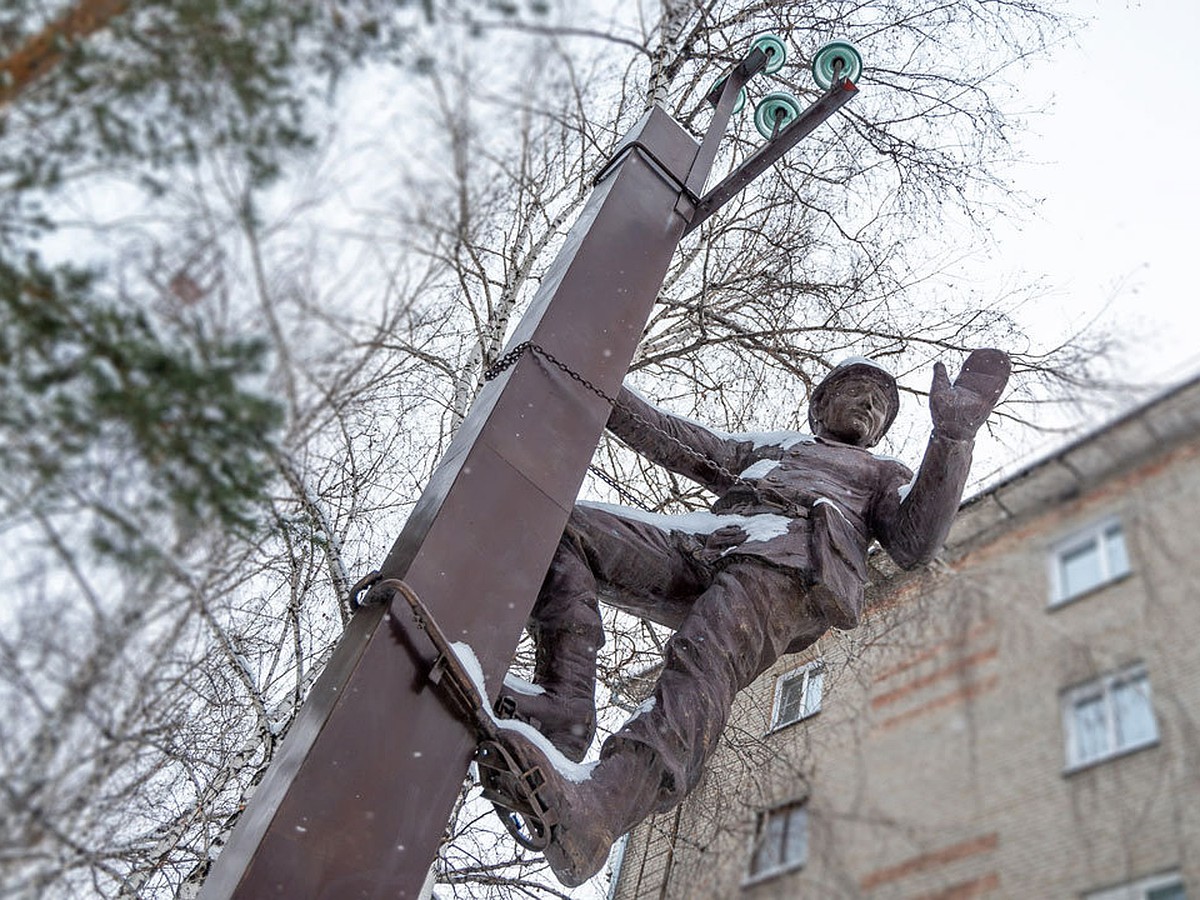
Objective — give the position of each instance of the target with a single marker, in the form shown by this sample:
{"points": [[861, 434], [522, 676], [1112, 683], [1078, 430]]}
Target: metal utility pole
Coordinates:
{"points": [[355, 802]]}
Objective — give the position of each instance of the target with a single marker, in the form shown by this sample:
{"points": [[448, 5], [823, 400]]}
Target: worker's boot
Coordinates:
{"points": [[561, 702], [590, 806]]}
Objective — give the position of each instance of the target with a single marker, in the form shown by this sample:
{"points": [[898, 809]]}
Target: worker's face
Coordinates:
{"points": [[855, 412]]}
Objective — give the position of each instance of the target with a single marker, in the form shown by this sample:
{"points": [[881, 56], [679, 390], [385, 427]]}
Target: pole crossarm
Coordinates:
{"points": [[767, 155], [723, 102]]}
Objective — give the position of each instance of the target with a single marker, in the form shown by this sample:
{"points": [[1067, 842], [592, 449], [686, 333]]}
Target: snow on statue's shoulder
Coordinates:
{"points": [[784, 440]]}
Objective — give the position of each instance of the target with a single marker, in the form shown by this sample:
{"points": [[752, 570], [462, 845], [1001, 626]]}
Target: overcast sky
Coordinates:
{"points": [[1115, 233], [1115, 164]]}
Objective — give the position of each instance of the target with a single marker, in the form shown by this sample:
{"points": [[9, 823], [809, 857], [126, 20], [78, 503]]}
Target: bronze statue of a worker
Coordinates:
{"points": [[783, 561]]}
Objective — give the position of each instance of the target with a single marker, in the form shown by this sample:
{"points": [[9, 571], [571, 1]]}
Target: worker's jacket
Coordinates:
{"points": [[802, 503]]}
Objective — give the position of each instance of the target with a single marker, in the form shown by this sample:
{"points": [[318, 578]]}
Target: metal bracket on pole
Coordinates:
{"points": [[724, 101], [833, 100], [723, 96]]}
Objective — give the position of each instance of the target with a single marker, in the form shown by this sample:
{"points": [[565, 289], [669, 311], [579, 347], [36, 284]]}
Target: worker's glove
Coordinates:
{"points": [[960, 409]]}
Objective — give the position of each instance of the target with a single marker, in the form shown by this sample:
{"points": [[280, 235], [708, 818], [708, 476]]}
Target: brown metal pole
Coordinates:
{"points": [[355, 803]]}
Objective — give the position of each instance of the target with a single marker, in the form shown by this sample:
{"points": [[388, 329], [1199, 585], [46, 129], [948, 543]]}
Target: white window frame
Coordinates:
{"points": [[796, 813], [1103, 688], [1098, 533], [1137, 890], [812, 677], [616, 860]]}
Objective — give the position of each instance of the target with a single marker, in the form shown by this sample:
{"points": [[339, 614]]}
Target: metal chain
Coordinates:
{"points": [[622, 491], [510, 358], [361, 592]]}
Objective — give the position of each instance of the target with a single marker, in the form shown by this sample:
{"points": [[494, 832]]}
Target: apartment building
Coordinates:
{"points": [[1020, 720]]}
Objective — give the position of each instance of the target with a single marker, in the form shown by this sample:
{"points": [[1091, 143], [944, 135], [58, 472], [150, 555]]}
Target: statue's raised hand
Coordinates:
{"points": [[960, 409]]}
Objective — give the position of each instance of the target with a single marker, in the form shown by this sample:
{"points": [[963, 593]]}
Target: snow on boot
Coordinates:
{"points": [[569, 723], [589, 806], [561, 702]]}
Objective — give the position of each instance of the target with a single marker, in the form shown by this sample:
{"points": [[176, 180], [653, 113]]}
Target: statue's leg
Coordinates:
{"points": [[737, 629], [597, 546], [567, 634]]}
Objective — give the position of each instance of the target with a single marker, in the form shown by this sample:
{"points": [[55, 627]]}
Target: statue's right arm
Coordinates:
{"points": [[662, 439]]}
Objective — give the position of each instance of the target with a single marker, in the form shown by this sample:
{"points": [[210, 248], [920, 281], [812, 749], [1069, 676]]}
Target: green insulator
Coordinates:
{"points": [[776, 51], [774, 112], [839, 59]]}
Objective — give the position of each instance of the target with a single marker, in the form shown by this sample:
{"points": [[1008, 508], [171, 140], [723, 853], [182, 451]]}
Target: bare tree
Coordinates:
{"points": [[147, 700]]}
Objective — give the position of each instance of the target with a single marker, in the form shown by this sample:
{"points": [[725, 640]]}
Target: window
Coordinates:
{"points": [[798, 694], [1108, 716], [615, 862], [1158, 887], [1087, 560], [780, 841]]}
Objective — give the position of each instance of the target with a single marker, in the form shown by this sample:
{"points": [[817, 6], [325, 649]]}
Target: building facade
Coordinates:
{"points": [[1020, 720]]}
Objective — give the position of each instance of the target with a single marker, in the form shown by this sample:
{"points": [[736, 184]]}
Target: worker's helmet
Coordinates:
{"points": [[855, 367]]}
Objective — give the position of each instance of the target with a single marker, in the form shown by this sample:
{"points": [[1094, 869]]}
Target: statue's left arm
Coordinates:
{"points": [[686, 448], [911, 522]]}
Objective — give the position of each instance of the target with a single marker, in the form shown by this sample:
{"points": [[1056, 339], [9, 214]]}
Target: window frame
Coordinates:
{"points": [[1103, 687], [795, 810], [1140, 888], [805, 672], [1097, 533]]}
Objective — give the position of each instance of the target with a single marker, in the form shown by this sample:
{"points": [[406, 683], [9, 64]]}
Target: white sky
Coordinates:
{"points": [[1109, 156], [1114, 162], [1111, 161]]}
